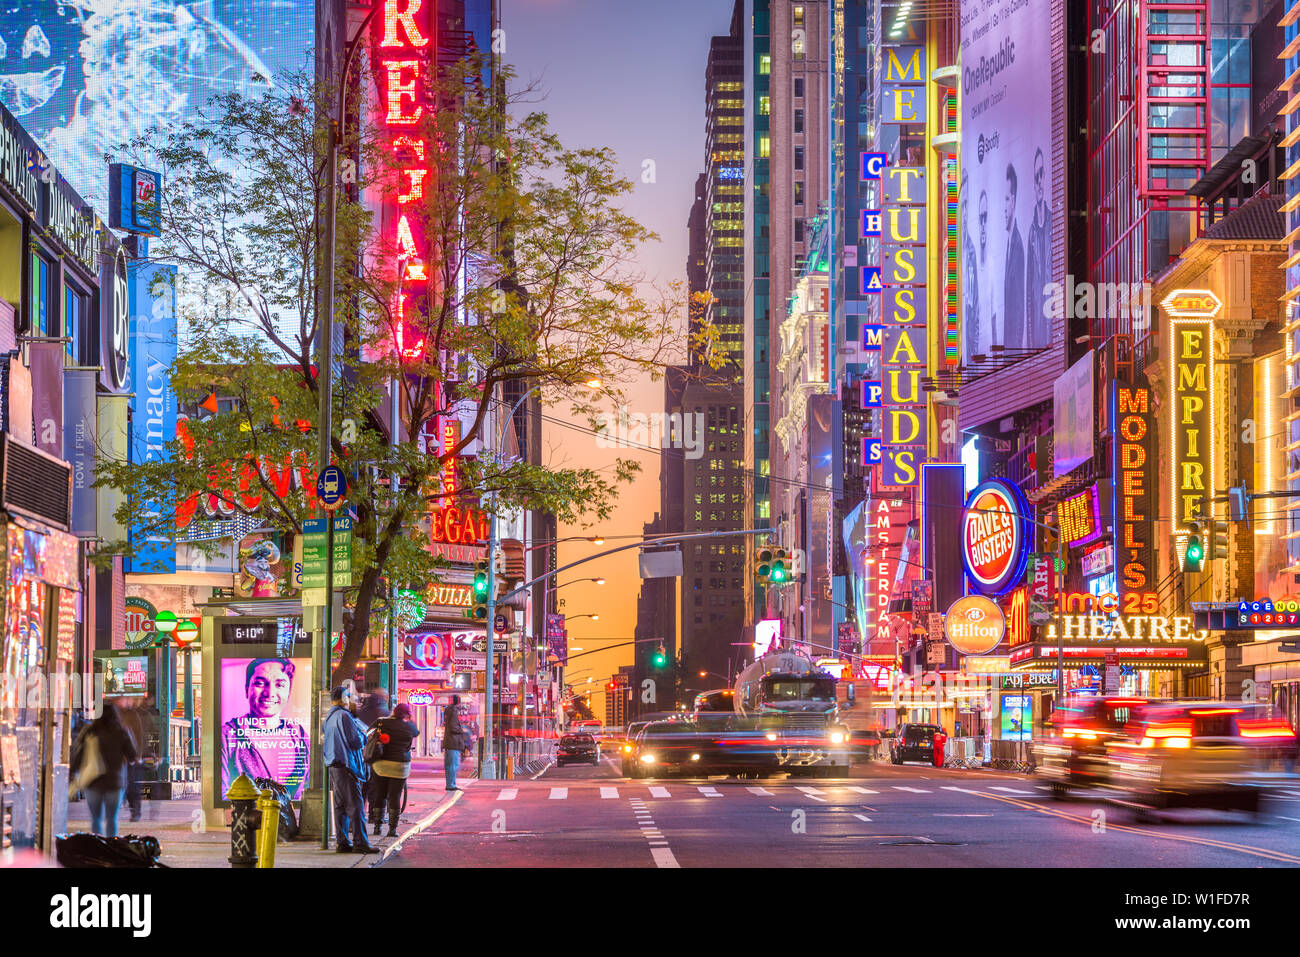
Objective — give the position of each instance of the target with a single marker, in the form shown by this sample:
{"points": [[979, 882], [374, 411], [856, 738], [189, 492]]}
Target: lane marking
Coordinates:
{"points": [[559, 794], [862, 817], [710, 792], [863, 790], [1182, 838], [419, 827], [963, 815], [663, 857], [762, 791], [1012, 790], [659, 793], [609, 792], [808, 790], [1285, 818], [508, 794], [913, 790]]}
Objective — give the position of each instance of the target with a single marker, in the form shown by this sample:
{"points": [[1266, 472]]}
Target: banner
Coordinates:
{"points": [[46, 361], [153, 402], [79, 446], [110, 427], [557, 638]]}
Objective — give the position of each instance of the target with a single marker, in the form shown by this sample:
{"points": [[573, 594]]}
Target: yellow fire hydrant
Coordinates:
{"points": [[269, 806]]}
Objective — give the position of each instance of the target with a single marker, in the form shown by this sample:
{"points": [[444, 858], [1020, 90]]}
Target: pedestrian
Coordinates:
{"points": [[455, 739], [389, 772], [376, 707], [344, 742], [98, 766]]}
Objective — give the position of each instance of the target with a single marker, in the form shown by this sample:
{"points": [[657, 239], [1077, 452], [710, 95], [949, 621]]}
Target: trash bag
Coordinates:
{"points": [[82, 849], [288, 822]]}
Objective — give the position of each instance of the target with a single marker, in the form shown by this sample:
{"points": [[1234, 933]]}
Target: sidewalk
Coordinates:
{"points": [[187, 842]]}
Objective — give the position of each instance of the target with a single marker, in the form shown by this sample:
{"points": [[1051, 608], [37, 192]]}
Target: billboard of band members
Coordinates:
{"points": [[1008, 200], [265, 712]]}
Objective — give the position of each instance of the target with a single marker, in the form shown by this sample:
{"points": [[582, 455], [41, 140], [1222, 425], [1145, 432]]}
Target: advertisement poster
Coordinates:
{"points": [[1007, 190], [1017, 717], [126, 677], [1072, 412], [265, 711]]}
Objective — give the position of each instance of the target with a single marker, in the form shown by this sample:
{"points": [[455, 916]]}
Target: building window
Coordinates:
{"points": [[764, 105], [765, 64], [798, 194], [798, 230], [764, 145], [798, 15], [798, 121], [798, 157], [798, 88], [40, 316]]}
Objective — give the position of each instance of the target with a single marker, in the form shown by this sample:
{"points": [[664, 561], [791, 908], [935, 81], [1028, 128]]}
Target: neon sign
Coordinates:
{"points": [[402, 63], [455, 526], [995, 537], [1191, 404], [1079, 517]]}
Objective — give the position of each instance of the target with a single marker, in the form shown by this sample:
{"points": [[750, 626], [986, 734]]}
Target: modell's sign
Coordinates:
{"points": [[1134, 485], [974, 625], [995, 537]]}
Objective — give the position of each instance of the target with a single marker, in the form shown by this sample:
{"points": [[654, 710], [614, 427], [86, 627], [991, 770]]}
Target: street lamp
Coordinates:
{"points": [[575, 617], [576, 581]]}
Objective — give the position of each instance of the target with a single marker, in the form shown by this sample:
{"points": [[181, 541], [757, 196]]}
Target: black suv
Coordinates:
{"points": [[577, 747], [914, 742]]}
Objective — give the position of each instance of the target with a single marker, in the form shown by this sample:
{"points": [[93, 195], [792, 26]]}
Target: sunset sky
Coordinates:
{"points": [[638, 89]]}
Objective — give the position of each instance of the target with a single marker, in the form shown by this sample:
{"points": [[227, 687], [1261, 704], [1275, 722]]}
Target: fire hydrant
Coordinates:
{"points": [[268, 806], [244, 817], [940, 739]]}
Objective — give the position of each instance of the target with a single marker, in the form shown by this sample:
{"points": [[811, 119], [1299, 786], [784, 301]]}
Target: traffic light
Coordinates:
{"points": [[660, 657], [478, 611], [780, 570], [1194, 554], [1216, 540], [763, 562]]}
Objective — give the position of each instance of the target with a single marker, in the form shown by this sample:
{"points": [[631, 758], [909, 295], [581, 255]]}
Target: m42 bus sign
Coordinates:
{"points": [[996, 537]]}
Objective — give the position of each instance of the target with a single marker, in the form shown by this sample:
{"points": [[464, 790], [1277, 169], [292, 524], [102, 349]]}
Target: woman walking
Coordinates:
{"points": [[392, 767], [98, 763]]}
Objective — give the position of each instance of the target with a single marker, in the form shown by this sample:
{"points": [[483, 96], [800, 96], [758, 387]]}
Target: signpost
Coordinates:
{"points": [[331, 492]]}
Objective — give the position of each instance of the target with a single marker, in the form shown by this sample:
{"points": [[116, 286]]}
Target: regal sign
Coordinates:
{"points": [[995, 537], [457, 526]]}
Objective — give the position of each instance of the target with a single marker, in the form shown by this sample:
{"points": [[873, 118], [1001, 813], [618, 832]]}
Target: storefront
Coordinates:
{"points": [[1277, 674]]}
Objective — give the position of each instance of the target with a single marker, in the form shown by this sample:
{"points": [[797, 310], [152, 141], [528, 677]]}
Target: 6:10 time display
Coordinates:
{"points": [[249, 633]]}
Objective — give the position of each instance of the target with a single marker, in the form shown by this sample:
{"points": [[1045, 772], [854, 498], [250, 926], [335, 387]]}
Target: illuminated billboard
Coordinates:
{"points": [[1191, 409], [1009, 188], [84, 78], [265, 712], [1134, 506]]}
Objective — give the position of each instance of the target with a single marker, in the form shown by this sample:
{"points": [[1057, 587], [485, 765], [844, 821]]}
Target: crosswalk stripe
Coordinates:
{"points": [[961, 790], [809, 790], [862, 817], [609, 792], [710, 792], [663, 857], [659, 793], [1010, 790], [863, 790], [508, 794], [559, 794], [913, 790], [759, 790]]}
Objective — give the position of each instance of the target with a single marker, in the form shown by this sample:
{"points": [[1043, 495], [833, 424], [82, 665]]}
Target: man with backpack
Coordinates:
{"points": [[343, 747]]}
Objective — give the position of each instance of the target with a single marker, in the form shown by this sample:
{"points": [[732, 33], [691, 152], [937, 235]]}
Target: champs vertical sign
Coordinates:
{"points": [[1191, 405], [902, 277], [403, 55]]}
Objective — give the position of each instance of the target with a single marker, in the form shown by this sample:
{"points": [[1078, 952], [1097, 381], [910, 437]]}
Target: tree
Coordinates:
{"points": [[512, 263]]}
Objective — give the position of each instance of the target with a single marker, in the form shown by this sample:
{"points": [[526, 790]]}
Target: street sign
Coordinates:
{"points": [[331, 487], [315, 532]]}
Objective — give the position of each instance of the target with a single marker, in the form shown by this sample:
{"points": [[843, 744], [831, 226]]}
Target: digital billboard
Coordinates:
{"points": [[126, 677], [265, 712], [1017, 722], [1009, 192], [84, 78]]}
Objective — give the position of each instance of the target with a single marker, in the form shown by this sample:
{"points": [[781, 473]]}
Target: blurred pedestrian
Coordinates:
{"points": [[344, 742], [455, 739], [98, 765], [376, 707], [396, 733]]}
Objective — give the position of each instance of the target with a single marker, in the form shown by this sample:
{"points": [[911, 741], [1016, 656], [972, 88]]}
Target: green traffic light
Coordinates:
{"points": [[1195, 552], [659, 660], [480, 585], [778, 573]]}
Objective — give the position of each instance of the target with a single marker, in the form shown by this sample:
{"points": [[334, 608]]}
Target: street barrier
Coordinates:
{"points": [[1013, 756]]}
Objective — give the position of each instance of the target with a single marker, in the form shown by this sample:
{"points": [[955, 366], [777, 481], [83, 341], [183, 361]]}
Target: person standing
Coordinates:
{"points": [[104, 746], [376, 707], [1013, 286], [455, 739], [344, 742], [390, 771], [1039, 266]]}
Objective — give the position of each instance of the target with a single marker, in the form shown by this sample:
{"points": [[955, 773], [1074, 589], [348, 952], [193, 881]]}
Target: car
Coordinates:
{"points": [[1199, 754], [1075, 755], [914, 742], [577, 748], [627, 746], [665, 747]]}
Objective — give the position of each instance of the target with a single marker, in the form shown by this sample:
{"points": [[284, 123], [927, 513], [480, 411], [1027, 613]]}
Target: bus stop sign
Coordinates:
{"points": [[331, 487]]}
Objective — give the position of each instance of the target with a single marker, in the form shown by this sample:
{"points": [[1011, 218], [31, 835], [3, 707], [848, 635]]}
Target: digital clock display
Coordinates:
{"points": [[249, 633]]}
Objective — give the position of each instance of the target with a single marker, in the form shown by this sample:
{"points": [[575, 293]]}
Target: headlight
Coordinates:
{"points": [[695, 757], [627, 748], [1178, 742], [647, 759], [771, 736], [837, 737]]}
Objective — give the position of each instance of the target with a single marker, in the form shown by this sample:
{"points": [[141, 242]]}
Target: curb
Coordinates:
{"points": [[418, 827]]}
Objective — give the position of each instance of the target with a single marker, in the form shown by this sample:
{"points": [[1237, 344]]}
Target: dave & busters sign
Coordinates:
{"points": [[996, 537]]}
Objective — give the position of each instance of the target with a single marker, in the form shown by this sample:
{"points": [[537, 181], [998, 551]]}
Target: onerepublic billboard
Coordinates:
{"points": [[1010, 210]]}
